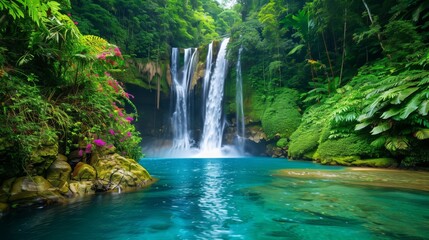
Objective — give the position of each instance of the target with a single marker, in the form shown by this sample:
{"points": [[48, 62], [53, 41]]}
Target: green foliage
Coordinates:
{"points": [[147, 30], [60, 91]]}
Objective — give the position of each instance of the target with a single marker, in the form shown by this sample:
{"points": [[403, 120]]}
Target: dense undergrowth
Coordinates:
{"points": [[57, 89]]}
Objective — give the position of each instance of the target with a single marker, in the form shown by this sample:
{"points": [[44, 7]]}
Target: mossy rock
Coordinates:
{"points": [[81, 188], [305, 140], [376, 162], [83, 171], [353, 145], [43, 156], [30, 191], [282, 118], [344, 161], [117, 171], [58, 173]]}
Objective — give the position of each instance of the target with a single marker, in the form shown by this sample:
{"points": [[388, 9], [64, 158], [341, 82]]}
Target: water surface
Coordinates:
{"points": [[232, 198]]}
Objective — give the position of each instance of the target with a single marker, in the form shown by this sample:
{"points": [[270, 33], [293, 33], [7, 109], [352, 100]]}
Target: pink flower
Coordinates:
{"points": [[129, 119], [99, 142], [80, 153], [76, 23], [102, 56], [88, 148], [120, 113], [127, 95], [129, 134], [111, 131], [69, 14], [117, 52]]}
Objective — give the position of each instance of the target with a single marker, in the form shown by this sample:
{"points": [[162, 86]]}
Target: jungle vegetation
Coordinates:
{"points": [[357, 71]]}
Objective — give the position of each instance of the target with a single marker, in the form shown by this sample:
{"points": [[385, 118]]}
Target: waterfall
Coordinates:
{"points": [[207, 74], [211, 139], [239, 115], [180, 87]]}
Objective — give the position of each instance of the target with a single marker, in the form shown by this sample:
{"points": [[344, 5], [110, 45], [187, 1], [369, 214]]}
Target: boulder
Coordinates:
{"points": [[83, 171], [58, 172], [81, 188], [116, 172], [35, 190]]}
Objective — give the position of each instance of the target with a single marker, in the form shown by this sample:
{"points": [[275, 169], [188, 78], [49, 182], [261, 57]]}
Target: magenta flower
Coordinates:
{"points": [[88, 148], [80, 153], [117, 52], [76, 23], [102, 56], [129, 134], [111, 131], [120, 113], [99, 142], [129, 119]]}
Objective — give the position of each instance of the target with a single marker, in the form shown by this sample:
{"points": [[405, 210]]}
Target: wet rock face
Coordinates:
{"points": [[58, 173], [43, 157], [29, 191]]}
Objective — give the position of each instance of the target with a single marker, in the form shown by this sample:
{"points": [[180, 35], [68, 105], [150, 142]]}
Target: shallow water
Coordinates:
{"points": [[232, 198]]}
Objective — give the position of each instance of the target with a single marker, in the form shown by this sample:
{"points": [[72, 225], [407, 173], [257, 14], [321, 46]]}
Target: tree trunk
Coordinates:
{"points": [[344, 46], [327, 54], [372, 22]]}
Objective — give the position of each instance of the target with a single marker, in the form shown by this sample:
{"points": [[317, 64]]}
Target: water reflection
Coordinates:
{"points": [[213, 202]]}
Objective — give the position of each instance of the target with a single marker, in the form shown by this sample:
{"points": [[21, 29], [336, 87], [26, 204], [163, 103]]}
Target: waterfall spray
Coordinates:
{"points": [[239, 115]]}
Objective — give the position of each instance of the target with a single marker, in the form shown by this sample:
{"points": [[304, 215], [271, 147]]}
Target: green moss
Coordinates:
{"points": [[305, 140], [255, 106], [376, 162], [282, 118], [282, 142], [345, 161], [353, 145]]}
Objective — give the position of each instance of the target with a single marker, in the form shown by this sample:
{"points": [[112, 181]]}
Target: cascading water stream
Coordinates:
{"points": [[239, 116], [180, 86], [211, 139], [207, 74]]}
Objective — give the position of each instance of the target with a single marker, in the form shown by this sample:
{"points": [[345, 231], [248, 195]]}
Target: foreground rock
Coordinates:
{"points": [[60, 182], [115, 172]]}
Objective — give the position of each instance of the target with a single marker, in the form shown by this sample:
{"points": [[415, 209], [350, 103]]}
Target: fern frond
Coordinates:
{"points": [[424, 108], [362, 125], [422, 134], [95, 44], [411, 106], [382, 127], [379, 142]]}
